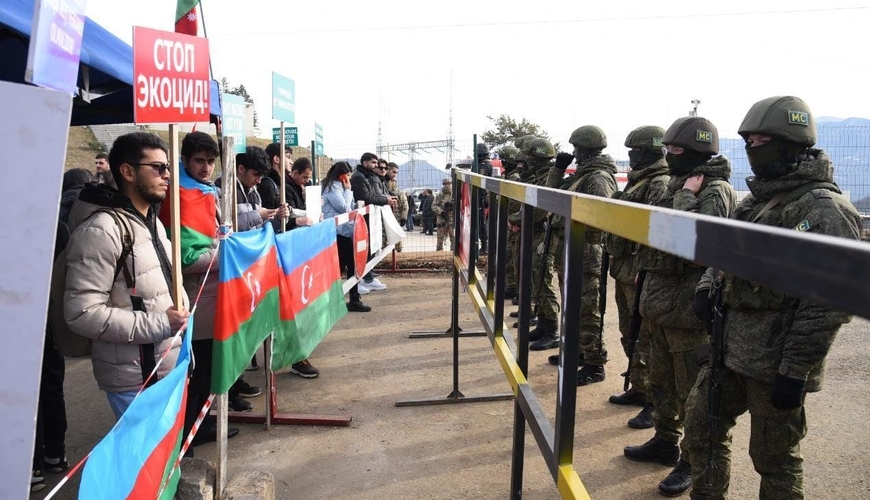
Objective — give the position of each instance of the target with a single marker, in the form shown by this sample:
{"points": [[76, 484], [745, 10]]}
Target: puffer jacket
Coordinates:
{"points": [[670, 283], [97, 304], [766, 331], [368, 187], [337, 201]]}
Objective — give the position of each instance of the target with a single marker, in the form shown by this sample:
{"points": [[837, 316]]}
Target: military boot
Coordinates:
{"points": [[678, 481], [654, 450], [532, 322], [629, 397], [547, 336], [643, 420], [510, 292], [589, 374], [554, 359]]}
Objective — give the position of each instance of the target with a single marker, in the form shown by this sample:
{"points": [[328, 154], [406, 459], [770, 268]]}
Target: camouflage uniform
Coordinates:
{"points": [[508, 155], [400, 211], [595, 176], [666, 299], [645, 186], [443, 208], [770, 336]]}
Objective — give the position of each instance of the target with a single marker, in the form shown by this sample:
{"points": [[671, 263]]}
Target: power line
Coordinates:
{"points": [[545, 22]]}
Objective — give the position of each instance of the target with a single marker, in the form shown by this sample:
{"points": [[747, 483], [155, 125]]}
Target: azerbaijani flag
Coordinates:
{"points": [[136, 459], [186, 20], [199, 223], [247, 302], [312, 300]]}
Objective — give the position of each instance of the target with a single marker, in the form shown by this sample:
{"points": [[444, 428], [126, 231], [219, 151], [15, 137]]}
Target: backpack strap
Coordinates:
{"points": [[127, 241]]}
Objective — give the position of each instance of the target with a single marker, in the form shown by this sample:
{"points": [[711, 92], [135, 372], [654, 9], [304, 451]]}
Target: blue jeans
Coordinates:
{"points": [[409, 225], [120, 401]]}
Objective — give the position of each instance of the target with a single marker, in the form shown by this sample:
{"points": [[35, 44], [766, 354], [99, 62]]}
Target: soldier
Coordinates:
{"points": [[484, 167], [443, 208], [508, 155], [699, 184], [400, 211], [538, 154], [775, 345], [595, 175], [527, 176], [647, 184]]}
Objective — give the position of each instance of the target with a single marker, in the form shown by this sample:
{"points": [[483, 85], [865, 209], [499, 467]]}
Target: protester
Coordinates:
{"points": [[270, 186], [368, 187]]}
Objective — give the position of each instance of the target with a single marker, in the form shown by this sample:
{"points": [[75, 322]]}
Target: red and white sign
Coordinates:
{"points": [[360, 245], [170, 77], [465, 225]]}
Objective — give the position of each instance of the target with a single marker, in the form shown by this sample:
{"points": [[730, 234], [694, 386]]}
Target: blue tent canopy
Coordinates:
{"points": [[105, 72]]}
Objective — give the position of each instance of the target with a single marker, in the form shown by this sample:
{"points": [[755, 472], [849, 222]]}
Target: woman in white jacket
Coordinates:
{"points": [[337, 200]]}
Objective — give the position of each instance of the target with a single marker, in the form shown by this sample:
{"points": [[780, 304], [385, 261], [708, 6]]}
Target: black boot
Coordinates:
{"points": [[643, 420], [554, 359], [629, 397], [545, 336], [515, 314], [532, 322], [515, 301], [589, 374], [510, 293], [654, 450], [678, 481]]}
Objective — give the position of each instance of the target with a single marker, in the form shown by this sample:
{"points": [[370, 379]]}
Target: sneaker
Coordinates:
{"points": [[358, 306], [254, 366], [37, 481], [589, 374], [375, 284], [237, 403], [362, 289], [247, 390], [304, 369], [643, 420], [56, 465]]}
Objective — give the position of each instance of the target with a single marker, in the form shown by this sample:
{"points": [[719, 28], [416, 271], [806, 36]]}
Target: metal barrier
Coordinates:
{"points": [[823, 269]]}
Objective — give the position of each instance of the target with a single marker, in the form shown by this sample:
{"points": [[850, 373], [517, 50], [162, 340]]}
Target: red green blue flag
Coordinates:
{"points": [[199, 223], [186, 19], [312, 300], [247, 302], [136, 459]]}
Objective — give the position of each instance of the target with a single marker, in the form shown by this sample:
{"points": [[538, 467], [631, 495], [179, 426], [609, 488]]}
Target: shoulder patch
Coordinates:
{"points": [[803, 227], [798, 118], [821, 194], [657, 142], [703, 136]]}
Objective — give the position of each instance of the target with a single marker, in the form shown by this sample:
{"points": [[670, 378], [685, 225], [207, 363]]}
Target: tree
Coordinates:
{"points": [[242, 92], [225, 85], [506, 130]]}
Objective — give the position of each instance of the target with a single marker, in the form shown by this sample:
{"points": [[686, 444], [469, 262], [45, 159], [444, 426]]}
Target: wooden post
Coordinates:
{"points": [[228, 191], [175, 216]]}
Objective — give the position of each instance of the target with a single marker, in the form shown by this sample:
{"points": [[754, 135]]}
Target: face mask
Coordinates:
{"points": [[585, 154], [684, 163], [772, 159], [642, 158]]}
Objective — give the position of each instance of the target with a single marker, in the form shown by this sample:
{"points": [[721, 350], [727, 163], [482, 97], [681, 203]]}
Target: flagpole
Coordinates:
{"points": [[205, 35]]}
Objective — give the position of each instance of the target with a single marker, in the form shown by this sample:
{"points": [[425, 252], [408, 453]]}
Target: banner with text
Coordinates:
{"points": [[318, 139], [170, 77], [233, 107], [56, 44], [283, 98]]}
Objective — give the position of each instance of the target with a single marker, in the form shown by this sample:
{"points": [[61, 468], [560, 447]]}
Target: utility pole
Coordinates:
{"points": [[695, 103]]}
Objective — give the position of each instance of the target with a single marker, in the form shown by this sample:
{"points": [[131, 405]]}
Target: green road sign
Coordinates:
{"points": [[318, 139], [291, 136]]}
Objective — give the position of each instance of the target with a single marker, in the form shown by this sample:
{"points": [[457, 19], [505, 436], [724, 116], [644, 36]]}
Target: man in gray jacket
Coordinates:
{"points": [[129, 316]]}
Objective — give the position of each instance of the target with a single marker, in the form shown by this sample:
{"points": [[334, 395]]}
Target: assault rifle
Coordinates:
{"points": [[602, 296], [634, 328], [717, 364]]}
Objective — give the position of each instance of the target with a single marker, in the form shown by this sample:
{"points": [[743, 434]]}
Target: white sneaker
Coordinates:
{"points": [[375, 284], [362, 288]]}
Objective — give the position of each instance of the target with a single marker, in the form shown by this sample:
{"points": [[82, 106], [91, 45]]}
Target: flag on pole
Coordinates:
{"points": [[312, 300], [199, 222], [186, 18], [247, 303], [137, 457]]}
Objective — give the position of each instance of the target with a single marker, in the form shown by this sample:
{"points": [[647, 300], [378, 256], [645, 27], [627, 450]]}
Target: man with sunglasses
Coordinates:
{"points": [[129, 316], [368, 187]]}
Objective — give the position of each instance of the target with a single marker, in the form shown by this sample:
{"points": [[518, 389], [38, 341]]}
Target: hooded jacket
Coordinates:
{"points": [[368, 187], [98, 305], [670, 283], [766, 331]]}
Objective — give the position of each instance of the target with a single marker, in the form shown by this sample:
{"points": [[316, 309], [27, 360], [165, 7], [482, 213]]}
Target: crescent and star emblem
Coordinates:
{"points": [[306, 287]]}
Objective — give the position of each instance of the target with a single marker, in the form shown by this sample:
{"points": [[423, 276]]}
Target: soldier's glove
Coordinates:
{"points": [[787, 393], [563, 160], [702, 305], [403, 221], [448, 205]]}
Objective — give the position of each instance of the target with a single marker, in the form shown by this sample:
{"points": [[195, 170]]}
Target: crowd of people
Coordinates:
{"points": [[118, 279]]}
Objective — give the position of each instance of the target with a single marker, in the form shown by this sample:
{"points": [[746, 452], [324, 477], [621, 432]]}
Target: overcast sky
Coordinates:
{"points": [[561, 64]]}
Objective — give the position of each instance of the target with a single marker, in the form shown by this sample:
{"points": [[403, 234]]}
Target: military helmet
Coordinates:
{"points": [[519, 142], [482, 151], [508, 154], [445, 181], [589, 137], [785, 117], [539, 148], [646, 137], [695, 133]]}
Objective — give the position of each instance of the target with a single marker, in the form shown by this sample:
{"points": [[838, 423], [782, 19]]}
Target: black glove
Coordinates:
{"points": [[448, 205], [403, 221], [702, 305], [787, 393], [563, 160]]}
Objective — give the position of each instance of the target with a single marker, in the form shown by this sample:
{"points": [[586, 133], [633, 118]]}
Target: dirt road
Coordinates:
{"points": [[463, 451]]}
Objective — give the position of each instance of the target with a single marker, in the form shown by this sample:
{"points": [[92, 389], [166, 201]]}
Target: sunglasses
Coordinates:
{"points": [[381, 168], [161, 168]]}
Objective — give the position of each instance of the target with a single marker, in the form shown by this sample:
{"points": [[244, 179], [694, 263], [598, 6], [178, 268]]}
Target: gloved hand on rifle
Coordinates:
{"points": [[702, 305], [563, 160], [787, 392], [448, 205]]}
